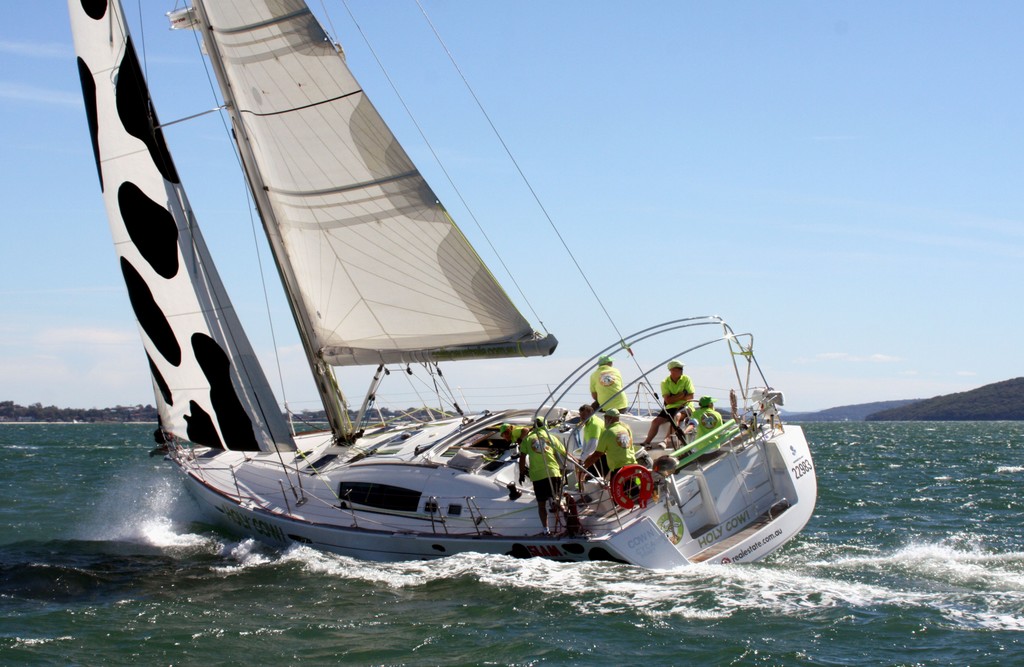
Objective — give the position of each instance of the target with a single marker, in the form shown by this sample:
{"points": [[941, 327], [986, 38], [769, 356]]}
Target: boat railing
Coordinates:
{"points": [[583, 371], [705, 444], [436, 517]]}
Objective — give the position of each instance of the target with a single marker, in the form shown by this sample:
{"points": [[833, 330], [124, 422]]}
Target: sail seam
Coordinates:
{"points": [[262, 24]]}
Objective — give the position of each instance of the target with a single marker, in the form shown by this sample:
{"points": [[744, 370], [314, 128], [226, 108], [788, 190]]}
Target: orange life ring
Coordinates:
{"points": [[632, 486]]}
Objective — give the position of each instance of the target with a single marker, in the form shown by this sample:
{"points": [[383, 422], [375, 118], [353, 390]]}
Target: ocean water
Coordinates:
{"points": [[913, 557]]}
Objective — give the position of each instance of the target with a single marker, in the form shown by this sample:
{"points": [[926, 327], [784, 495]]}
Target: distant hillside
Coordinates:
{"points": [[854, 413], [12, 412], [1001, 400]]}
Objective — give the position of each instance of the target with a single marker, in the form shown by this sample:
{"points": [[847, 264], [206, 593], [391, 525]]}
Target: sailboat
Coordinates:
{"points": [[376, 274]]}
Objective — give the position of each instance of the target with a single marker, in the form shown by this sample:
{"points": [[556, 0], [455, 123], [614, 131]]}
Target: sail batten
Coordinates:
{"points": [[299, 108], [263, 24], [347, 187]]}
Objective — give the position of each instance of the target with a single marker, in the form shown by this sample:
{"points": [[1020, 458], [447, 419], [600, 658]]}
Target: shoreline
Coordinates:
{"points": [[74, 423]]}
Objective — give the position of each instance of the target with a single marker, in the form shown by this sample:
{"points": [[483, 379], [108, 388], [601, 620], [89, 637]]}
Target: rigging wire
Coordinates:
{"points": [[214, 92], [447, 388], [444, 170], [519, 169], [142, 41], [536, 197], [244, 367], [408, 377]]}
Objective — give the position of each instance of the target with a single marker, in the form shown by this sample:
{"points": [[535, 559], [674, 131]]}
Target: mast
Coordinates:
{"points": [[323, 374]]}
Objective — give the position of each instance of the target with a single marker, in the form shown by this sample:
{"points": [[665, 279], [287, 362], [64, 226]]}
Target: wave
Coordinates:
{"points": [[955, 582], [69, 571], [148, 505], [968, 587]]}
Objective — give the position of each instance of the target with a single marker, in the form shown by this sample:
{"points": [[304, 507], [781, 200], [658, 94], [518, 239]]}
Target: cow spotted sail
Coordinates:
{"points": [[210, 389]]}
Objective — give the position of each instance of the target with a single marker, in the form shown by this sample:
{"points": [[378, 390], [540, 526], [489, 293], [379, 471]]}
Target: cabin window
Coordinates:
{"points": [[321, 462], [383, 496]]}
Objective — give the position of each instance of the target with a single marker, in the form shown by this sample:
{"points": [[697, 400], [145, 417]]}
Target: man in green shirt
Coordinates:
{"points": [[591, 427], [606, 386], [546, 454], [676, 391], [514, 435], [708, 419], [615, 445]]}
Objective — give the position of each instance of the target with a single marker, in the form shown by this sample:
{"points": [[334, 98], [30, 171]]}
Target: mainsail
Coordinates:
{"points": [[209, 386], [377, 270]]}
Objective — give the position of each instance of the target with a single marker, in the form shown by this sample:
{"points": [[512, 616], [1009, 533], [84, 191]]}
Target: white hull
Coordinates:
{"points": [[339, 200], [754, 496]]}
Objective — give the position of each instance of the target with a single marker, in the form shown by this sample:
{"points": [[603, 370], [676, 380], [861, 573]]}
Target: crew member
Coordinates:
{"points": [[676, 391], [591, 428], [708, 419], [545, 453], [615, 445], [606, 386], [514, 435]]}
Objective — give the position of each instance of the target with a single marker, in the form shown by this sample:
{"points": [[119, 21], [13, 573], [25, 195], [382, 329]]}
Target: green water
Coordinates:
{"points": [[913, 557]]}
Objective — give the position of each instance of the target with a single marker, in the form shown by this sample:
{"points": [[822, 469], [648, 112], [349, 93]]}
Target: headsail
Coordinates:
{"points": [[209, 387], [377, 267]]}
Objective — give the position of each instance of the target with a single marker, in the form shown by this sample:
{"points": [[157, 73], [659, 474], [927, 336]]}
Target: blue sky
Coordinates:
{"points": [[842, 179]]}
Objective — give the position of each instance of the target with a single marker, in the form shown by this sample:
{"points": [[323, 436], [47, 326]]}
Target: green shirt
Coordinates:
{"points": [[541, 447], [517, 434], [605, 382], [708, 419], [616, 443], [592, 430], [684, 386]]}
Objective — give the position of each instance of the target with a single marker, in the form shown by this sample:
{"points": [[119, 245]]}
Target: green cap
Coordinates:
{"points": [[611, 412], [504, 428], [706, 401], [604, 359]]}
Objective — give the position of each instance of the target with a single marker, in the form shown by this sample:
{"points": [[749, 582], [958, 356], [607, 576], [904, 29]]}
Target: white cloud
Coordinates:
{"points": [[22, 93], [876, 358], [46, 50], [76, 367], [88, 336], [52, 292]]}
